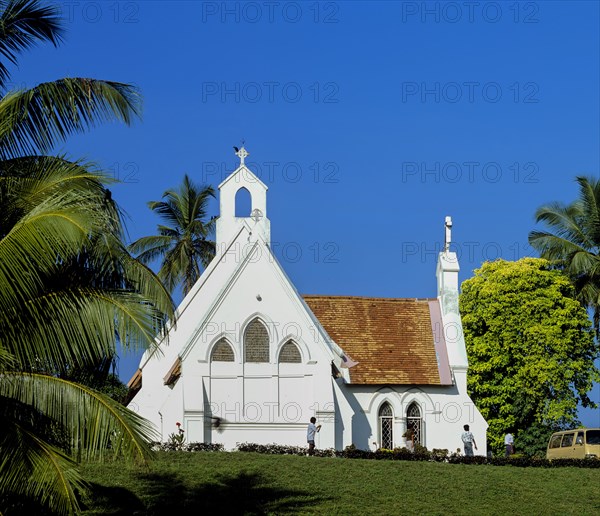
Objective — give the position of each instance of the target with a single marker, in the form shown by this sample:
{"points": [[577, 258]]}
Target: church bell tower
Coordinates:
{"points": [[228, 225]]}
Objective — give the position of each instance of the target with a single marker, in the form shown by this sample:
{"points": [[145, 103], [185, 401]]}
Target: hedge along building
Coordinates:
{"points": [[251, 360]]}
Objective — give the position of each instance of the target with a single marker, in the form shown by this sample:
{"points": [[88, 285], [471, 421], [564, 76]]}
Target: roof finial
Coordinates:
{"points": [[448, 236], [241, 153]]}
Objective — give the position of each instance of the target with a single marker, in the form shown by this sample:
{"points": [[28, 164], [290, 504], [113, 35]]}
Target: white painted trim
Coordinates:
{"points": [[236, 171], [383, 393]]}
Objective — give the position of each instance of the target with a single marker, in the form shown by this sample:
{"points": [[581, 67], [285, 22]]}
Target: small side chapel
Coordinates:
{"points": [[252, 360]]}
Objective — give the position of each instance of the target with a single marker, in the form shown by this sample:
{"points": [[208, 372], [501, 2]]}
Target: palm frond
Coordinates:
{"points": [[167, 231], [168, 210], [564, 220], [205, 249], [98, 426], [137, 276], [32, 468], [27, 182], [589, 188], [174, 265], [69, 213], [76, 326], [7, 359], [151, 247], [552, 247], [23, 23], [55, 229], [33, 121]]}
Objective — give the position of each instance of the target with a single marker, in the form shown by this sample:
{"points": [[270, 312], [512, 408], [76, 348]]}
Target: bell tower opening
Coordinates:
{"points": [[243, 203]]}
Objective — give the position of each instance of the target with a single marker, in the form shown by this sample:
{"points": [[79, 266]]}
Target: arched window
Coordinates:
{"points": [[414, 422], [222, 352], [243, 203], [290, 354], [386, 427], [256, 342]]}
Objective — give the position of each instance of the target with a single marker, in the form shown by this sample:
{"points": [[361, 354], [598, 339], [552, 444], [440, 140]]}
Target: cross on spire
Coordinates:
{"points": [[242, 154], [448, 235]]}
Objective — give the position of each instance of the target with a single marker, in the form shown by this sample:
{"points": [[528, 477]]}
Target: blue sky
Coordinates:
{"points": [[368, 122]]}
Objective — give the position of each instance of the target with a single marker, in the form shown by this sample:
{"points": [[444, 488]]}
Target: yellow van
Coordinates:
{"points": [[581, 443]]}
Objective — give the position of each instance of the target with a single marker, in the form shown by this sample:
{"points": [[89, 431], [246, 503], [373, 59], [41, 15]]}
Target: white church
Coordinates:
{"points": [[252, 360]]}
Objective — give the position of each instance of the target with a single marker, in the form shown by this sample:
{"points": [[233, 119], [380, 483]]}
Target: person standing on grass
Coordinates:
{"points": [[310, 435], [509, 445], [469, 441]]}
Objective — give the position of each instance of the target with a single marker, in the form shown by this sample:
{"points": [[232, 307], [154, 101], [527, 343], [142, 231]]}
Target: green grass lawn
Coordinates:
{"points": [[180, 483]]}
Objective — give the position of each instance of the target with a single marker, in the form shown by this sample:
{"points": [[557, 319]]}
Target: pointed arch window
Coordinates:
{"points": [[290, 354], [222, 352], [243, 202], [386, 426], [414, 422], [256, 342]]}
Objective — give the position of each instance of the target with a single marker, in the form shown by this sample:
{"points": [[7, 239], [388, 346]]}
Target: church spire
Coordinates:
{"points": [[447, 280]]}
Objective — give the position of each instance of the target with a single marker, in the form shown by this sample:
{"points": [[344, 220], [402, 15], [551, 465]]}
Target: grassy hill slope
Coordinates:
{"points": [[180, 483]]}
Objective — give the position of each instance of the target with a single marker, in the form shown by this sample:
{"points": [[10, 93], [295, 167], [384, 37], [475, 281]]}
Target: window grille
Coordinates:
{"points": [[256, 342], [386, 427], [290, 354], [222, 352], [414, 422]]}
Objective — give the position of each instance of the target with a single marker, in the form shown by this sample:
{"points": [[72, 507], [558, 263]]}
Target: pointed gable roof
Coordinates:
{"points": [[247, 177], [394, 341]]}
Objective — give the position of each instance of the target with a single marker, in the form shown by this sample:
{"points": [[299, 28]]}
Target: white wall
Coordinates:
{"points": [[444, 411]]}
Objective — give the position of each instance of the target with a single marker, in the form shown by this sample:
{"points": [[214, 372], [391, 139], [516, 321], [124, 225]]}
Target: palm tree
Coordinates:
{"points": [[68, 285], [184, 243], [572, 241]]}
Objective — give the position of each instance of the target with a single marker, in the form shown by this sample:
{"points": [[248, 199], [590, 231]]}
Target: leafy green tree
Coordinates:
{"points": [[184, 242], [68, 285], [531, 350], [572, 241]]}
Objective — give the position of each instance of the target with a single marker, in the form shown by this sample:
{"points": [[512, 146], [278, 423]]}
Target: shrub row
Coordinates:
{"points": [[421, 454], [189, 447], [278, 449]]}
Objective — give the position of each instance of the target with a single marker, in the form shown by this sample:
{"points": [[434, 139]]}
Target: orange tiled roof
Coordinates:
{"points": [[392, 339]]}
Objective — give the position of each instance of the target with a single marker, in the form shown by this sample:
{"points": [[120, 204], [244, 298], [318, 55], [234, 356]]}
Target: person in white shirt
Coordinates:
{"points": [[310, 435], [468, 441], [509, 445]]}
